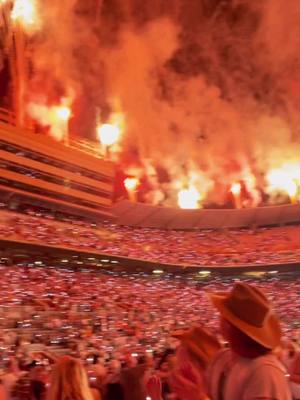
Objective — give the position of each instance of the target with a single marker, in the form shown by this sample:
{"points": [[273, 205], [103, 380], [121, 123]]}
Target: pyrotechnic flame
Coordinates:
{"points": [[110, 133], [56, 117], [25, 12], [63, 113], [285, 179], [131, 184], [292, 189], [236, 188], [189, 198]]}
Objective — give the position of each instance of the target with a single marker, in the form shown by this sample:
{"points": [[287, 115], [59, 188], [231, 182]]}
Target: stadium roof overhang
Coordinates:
{"points": [[148, 216]]}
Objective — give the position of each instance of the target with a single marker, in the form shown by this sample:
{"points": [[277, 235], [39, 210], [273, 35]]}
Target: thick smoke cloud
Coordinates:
{"points": [[67, 61], [210, 89]]}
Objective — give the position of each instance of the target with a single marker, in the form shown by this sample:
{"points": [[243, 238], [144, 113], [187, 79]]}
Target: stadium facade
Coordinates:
{"points": [[38, 170]]}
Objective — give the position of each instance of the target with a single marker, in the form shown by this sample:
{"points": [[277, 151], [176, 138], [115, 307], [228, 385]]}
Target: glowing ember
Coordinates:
{"points": [[108, 134], [236, 188], [131, 184], [189, 198], [24, 11]]}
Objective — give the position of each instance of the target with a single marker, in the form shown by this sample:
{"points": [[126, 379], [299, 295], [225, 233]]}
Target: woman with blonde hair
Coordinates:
{"points": [[69, 382]]}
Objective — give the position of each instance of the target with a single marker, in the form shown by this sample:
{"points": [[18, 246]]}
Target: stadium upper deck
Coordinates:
{"points": [[39, 170]]}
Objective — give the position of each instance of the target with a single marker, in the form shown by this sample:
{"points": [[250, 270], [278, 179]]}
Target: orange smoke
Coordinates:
{"points": [[186, 113]]}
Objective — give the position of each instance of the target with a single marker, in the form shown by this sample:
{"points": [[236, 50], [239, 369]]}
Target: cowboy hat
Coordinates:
{"points": [[200, 342], [247, 308]]}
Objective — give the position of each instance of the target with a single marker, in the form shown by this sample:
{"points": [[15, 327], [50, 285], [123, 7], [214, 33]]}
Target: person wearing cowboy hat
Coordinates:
{"points": [[248, 370]]}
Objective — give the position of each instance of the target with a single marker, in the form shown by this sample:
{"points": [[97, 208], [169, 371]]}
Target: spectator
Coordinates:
{"points": [[69, 381], [113, 385], [198, 345], [22, 390], [197, 350], [248, 370], [10, 378]]}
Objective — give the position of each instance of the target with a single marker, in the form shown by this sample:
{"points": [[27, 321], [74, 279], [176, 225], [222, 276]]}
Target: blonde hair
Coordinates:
{"points": [[69, 381]]}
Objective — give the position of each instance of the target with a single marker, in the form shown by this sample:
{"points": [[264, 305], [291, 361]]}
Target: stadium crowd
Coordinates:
{"points": [[229, 247], [119, 329]]}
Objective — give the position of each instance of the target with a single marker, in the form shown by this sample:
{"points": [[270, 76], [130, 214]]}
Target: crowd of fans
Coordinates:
{"points": [[116, 328], [82, 334], [228, 247]]}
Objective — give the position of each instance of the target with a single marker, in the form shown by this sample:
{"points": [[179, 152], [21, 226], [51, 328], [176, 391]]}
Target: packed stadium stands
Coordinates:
{"points": [[261, 247]]}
